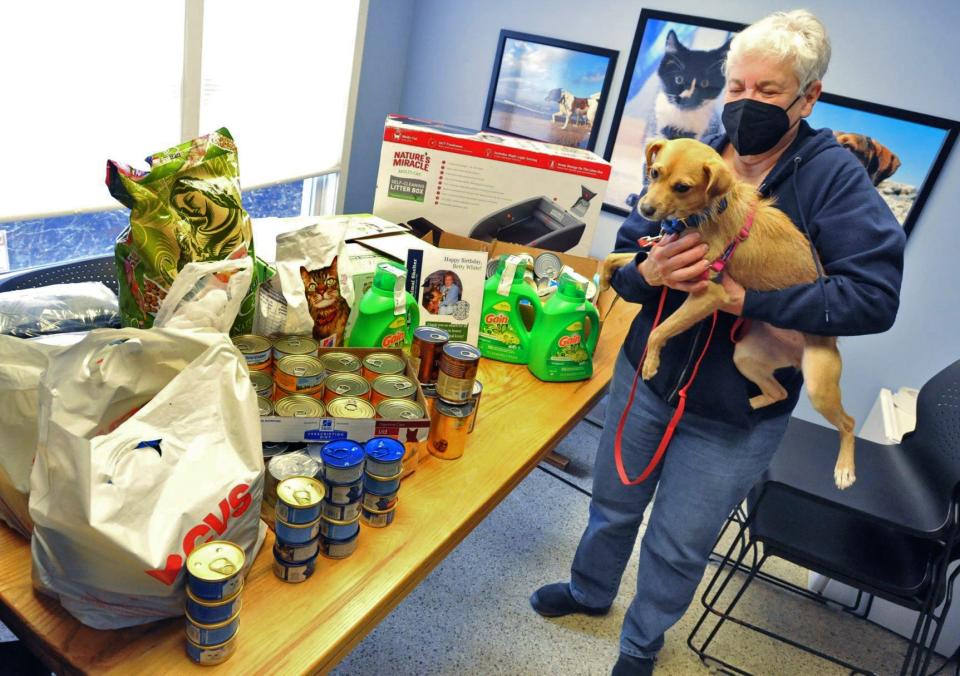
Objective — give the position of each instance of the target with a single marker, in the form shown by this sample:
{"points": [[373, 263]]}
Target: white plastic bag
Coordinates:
{"points": [[206, 295], [149, 444]]}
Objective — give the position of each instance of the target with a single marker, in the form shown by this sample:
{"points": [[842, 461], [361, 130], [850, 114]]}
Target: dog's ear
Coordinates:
{"points": [[653, 148], [719, 178]]}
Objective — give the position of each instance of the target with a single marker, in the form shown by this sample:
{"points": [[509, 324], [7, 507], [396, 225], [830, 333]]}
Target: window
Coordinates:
{"points": [[140, 77]]}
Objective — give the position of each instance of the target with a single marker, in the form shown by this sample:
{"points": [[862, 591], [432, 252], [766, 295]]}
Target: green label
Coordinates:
{"points": [[496, 327], [568, 348], [456, 331], [407, 188]]}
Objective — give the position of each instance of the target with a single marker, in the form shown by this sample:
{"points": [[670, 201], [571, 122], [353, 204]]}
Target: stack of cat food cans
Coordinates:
{"points": [[343, 463], [297, 526], [383, 468], [453, 412], [213, 602]]}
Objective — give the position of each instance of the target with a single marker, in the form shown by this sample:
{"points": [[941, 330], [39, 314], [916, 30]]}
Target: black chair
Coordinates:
{"points": [[92, 269], [893, 534]]}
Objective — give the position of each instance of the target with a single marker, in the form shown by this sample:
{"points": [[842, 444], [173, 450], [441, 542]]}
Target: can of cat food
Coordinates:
{"points": [[284, 346], [344, 494], [342, 512], [392, 387], [299, 374], [212, 612], [547, 265], [298, 499], [213, 570], [429, 399], [256, 350], [400, 409], [384, 456], [427, 347], [475, 399], [448, 429], [342, 461], [379, 503], [212, 634], [282, 467], [264, 406], [338, 549], [377, 518], [279, 393], [290, 571], [299, 406], [381, 485], [340, 362], [492, 265], [262, 383], [458, 371], [296, 533], [345, 385], [331, 529], [293, 553], [211, 654], [378, 364], [351, 407]]}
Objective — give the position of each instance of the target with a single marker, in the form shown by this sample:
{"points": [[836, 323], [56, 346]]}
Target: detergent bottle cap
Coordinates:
{"points": [[573, 285]]}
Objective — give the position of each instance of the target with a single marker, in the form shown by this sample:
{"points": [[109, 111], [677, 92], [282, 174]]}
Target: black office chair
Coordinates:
{"points": [[92, 269], [893, 534]]}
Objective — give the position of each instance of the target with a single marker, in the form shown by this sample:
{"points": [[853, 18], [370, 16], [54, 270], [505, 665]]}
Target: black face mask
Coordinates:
{"points": [[755, 127]]}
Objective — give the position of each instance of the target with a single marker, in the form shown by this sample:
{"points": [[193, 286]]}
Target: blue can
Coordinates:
{"points": [[339, 530], [338, 549], [208, 655], [342, 461], [296, 553], [379, 503], [378, 519], [294, 572], [296, 533], [212, 634], [347, 512], [344, 494], [213, 570], [212, 612], [381, 485], [298, 499], [384, 456]]}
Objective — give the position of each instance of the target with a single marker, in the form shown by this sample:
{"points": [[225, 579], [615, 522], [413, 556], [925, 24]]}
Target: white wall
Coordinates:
{"points": [[900, 53]]}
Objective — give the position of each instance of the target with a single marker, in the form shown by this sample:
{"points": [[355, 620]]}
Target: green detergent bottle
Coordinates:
{"points": [[508, 299], [388, 313], [565, 335]]}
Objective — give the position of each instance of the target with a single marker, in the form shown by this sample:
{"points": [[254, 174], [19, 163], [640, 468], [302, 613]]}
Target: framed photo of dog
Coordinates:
{"points": [[548, 90]]}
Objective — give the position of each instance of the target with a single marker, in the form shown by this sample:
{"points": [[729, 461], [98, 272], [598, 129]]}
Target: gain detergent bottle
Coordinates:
{"points": [[388, 313], [566, 333], [504, 335]]}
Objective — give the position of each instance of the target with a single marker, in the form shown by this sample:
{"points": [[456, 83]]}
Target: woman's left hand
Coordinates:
{"points": [[736, 293]]}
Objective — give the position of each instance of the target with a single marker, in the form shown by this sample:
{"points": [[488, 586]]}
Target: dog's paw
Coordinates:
{"points": [[651, 364], [611, 264], [843, 477]]}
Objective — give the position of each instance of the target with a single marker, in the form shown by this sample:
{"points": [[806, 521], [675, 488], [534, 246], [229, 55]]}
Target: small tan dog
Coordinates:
{"points": [[775, 255]]}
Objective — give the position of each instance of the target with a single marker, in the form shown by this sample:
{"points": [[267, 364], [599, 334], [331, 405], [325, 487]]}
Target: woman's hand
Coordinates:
{"points": [[736, 292], [677, 262]]}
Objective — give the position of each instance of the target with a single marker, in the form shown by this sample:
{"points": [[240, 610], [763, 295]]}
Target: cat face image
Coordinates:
{"points": [[691, 77], [328, 309]]}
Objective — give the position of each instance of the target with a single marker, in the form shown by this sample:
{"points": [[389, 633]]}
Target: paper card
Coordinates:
{"points": [[448, 285]]}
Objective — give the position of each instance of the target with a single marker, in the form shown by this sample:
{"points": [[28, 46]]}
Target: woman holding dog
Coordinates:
{"points": [[722, 447]]}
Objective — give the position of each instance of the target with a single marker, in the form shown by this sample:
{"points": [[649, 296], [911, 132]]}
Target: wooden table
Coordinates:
{"points": [[309, 627]]}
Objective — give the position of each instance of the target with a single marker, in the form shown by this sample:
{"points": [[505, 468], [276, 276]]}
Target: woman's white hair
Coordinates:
{"points": [[796, 37]]}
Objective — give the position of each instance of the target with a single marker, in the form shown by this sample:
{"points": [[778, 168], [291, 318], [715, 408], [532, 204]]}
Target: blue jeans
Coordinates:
{"points": [[707, 470]]}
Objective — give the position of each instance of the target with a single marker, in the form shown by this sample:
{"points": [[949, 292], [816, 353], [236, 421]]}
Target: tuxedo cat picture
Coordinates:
{"points": [[692, 82], [328, 309]]}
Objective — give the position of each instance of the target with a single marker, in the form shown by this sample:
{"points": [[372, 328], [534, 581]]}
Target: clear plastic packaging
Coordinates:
{"points": [[59, 308]]}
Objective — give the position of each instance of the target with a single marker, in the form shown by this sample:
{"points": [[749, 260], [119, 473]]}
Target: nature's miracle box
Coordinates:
{"points": [[489, 187]]}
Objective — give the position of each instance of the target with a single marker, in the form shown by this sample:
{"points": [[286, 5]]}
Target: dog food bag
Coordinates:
{"points": [[185, 208]]}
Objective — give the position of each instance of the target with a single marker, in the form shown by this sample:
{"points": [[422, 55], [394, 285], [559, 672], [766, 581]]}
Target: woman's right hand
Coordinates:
{"points": [[677, 262]]}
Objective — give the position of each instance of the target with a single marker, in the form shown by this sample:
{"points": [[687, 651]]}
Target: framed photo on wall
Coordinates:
{"points": [[548, 90]]}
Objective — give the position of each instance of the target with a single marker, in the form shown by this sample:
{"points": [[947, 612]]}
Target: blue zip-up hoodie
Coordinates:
{"points": [[821, 185]]}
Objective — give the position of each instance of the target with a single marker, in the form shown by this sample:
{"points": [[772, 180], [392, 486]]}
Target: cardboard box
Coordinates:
{"points": [[490, 187]]}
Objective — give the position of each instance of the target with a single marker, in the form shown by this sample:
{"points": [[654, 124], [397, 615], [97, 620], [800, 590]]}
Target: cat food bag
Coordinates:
{"points": [[185, 208], [310, 295]]}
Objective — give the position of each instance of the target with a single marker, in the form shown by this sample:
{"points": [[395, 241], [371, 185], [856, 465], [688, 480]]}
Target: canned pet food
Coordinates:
{"points": [[293, 572], [379, 503], [262, 383], [384, 455], [448, 430], [291, 553], [299, 406], [340, 362], [458, 371], [381, 485], [283, 467], [339, 530], [213, 570], [212, 654], [475, 400], [400, 409], [345, 385], [212, 634], [256, 350], [342, 462], [379, 364], [427, 347], [344, 494], [342, 512], [298, 499], [392, 387], [264, 406], [547, 265], [429, 398], [297, 533], [338, 549], [284, 346], [299, 374], [492, 265], [351, 407], [212, 612], [378, 519]]}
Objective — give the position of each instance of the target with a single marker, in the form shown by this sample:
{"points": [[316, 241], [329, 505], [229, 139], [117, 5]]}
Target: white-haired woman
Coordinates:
{"points": [[721, 448]]}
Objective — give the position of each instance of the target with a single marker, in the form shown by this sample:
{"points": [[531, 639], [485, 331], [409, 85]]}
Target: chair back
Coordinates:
{"points": [[93, 269], [935, 443]]}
